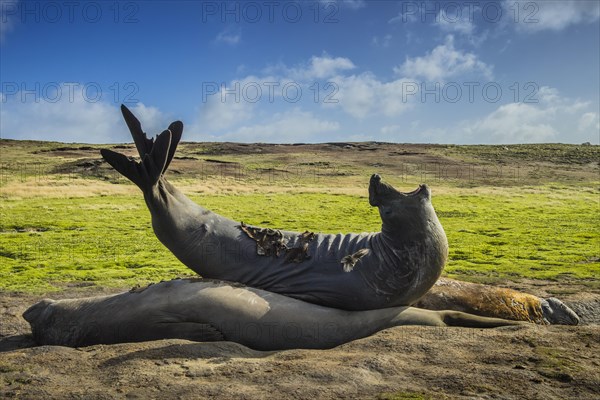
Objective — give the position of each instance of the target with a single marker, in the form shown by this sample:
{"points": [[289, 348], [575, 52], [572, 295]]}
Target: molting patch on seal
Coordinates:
{"points": [[139, 289], [271, 242], [350, 260], [300, 253]]}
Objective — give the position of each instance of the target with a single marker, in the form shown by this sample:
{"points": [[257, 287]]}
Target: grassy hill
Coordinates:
{"points": [[510, 212]]}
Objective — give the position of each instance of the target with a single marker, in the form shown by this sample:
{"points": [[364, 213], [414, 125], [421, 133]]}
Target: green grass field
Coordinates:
{"points": [[89, 231]]}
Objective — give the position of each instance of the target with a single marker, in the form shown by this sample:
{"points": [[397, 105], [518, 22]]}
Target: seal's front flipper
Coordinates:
{"points": [[196, 332], [420, 316], [146, 173], [458, 318]]}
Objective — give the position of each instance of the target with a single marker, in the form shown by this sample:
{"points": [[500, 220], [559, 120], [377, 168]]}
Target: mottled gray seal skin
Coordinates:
{"points": [[207, 310], [364, 271]]}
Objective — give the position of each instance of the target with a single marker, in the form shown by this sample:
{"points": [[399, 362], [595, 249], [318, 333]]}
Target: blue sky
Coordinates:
{"points": [[314, 71]]}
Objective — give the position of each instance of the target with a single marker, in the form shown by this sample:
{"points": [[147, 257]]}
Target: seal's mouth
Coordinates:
{"points": [[414, 192], [378, 190]]}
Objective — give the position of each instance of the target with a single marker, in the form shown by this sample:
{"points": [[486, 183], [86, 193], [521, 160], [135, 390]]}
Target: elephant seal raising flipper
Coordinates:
{"points": [[206, 310], [364, 271]]}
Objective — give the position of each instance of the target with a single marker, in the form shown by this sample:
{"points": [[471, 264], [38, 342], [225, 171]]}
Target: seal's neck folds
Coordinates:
{"points": [[411, 233]]}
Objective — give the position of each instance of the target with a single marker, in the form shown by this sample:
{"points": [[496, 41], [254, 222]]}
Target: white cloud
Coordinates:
{"points": [[153, 120], [458, 22], [228, 37], [72, 119], [322, 67], [589, 121], [286, 127], [223, 110], [240, 101], [550, 15], [551, 119], [364, 95], [551, 99], [392, 98], [412, 133], [444, 62], [65, 114], [358, 138], [381, 42], [387, 130], [359, 95], [62, 121], [352, 4], [410, 15], [514, 123]]}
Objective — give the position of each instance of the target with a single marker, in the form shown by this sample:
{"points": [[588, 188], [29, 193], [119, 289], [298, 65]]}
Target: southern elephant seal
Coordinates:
{"points": [[364, 271], [208, 310], [485, 300]]}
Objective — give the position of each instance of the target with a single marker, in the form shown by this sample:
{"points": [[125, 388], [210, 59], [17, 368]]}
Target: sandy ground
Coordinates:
{"points": [[532, 362]]}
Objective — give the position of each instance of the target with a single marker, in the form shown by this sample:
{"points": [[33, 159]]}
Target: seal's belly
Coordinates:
{"points": [[331, 270]]}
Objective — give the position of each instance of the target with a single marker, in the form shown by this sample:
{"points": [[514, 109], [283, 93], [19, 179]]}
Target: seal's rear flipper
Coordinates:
{"points": [[146, 173], [176, 129], [156, 155], [144, 145]]}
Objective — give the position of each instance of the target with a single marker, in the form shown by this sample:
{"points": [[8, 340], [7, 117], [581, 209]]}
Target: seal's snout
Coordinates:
{"points": [[557, 312], [424, 190], [381, 192], [33, 313], [375, 190]]}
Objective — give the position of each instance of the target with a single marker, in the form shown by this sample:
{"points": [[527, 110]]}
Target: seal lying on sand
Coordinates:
{"points": [[365, 271], [206, 310], [448, 294]]}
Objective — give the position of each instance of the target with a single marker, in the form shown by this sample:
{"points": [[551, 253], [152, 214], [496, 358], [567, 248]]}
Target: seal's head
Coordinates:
{"points": [[38, 313], [40, 318], [412, 236], [398, 208], [557, 312]]}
